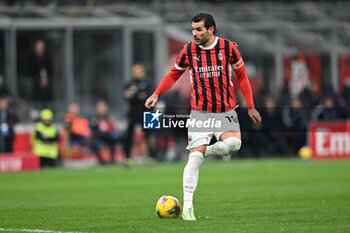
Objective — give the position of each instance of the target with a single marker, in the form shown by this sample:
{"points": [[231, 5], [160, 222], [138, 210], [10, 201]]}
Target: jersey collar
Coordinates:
{"points": [[210, 46]]}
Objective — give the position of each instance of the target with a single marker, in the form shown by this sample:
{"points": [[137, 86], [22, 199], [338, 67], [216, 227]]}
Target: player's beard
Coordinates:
{"points": [[202, 41]]}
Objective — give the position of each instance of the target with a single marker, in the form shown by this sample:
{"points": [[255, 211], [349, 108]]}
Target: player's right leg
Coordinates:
{"points": [[190, 181], [197, 143]]}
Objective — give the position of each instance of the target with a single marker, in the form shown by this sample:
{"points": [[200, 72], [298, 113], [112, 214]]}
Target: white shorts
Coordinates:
{"points": [[218, 123]]}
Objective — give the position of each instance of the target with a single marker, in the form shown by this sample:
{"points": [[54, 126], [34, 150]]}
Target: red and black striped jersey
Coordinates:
{"points": [[211, 74]]}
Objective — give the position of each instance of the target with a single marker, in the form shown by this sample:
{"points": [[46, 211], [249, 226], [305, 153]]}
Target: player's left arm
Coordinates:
{"points": [[244, 85]]}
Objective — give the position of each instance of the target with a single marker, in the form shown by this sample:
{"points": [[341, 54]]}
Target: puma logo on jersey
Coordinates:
{"points": [[197, 58]]}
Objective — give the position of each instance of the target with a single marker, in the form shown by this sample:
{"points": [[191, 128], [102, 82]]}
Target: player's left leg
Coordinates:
{"points": [[229, 144], [228, 134]]}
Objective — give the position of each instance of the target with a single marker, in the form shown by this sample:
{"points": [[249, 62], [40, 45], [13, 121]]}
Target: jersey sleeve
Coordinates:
{"points": [[168, 81], [239, 69], [175, 73], [182, 59]]}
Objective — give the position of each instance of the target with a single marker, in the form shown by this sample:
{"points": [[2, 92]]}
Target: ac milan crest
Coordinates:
{"points": [[220, 56]]}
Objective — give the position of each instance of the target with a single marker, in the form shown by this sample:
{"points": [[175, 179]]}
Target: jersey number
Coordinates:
{"points": [[232, 119]]}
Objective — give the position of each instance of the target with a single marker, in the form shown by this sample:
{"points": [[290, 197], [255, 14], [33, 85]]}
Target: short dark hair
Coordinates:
{"points": [[206, 18]]}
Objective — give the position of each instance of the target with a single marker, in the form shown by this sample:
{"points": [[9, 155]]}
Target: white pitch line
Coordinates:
{"points": [[36, 230]]}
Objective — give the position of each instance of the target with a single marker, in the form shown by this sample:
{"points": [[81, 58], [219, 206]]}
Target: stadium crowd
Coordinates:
{"points": [[286, 119], [282, 132]]}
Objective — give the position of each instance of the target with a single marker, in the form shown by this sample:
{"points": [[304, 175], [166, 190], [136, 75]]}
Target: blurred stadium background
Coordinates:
{"points": [[297, 54]]}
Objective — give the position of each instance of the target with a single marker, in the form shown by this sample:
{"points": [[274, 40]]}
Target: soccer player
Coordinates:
{"points": [[210, 60]]}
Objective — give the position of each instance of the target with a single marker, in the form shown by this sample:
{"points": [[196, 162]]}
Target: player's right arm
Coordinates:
{"points": [[169, 80], [151, 101]]}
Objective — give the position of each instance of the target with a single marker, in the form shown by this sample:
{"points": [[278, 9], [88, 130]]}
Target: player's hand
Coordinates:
{"points": [[254, 115], [151, 101]]}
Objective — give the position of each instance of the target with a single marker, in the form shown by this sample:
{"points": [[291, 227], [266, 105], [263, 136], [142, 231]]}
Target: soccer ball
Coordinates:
{"points": [[305, 152], [168, 207]]}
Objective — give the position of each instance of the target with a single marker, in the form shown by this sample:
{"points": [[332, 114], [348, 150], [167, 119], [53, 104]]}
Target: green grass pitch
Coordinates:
{"points": [[267, 195]]}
